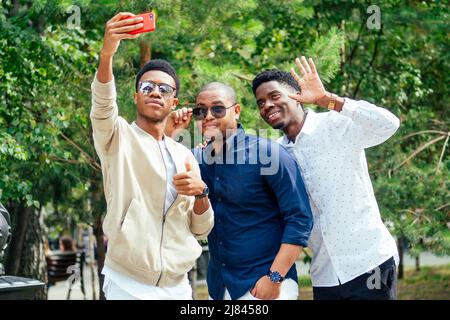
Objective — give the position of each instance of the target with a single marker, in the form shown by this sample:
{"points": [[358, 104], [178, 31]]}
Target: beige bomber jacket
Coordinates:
{"points": [[143, 243]]}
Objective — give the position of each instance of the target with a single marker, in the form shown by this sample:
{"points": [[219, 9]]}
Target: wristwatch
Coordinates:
{"points": [[203, 194], [275, 276], [332, 103]]}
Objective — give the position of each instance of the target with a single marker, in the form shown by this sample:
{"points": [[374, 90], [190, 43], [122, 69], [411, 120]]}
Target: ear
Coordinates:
{"points": [[237, 111], [297, 93], [135, 98], [175, 103]]}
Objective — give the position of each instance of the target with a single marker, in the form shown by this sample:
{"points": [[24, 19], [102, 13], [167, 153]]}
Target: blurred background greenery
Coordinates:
{"points": [[50, 174]]}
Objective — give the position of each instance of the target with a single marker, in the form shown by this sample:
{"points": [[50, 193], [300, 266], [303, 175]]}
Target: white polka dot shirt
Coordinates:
{"points": [[348, 238]]}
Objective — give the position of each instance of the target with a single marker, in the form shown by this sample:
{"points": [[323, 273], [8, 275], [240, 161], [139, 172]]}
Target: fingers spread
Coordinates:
{"points": [[306, 65], [312, 65], [295, 75], [300, 66]]}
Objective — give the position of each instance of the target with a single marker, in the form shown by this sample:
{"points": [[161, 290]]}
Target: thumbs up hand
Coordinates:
{"points": [[188, 183]]}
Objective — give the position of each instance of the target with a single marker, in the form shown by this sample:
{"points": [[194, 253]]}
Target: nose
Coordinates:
{"points": [[267, 106], [155, 92], [209, 115]]}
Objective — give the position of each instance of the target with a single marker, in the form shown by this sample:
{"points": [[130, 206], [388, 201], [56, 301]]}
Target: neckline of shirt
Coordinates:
{"points": [[306, 128]]}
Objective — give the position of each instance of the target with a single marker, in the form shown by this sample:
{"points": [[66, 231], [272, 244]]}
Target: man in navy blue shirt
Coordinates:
{"points": [[262, 212]]}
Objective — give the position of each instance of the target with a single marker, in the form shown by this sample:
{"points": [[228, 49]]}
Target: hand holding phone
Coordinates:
{"points": [[148, 21]]}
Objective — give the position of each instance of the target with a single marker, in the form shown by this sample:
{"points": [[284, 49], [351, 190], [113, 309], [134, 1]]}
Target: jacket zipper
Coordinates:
{"points": [[164, 217], [160, 249]]}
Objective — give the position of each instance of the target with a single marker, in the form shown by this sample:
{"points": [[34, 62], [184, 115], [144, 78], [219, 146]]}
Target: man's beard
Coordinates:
{"points": [[154, 119], [280, 125]]}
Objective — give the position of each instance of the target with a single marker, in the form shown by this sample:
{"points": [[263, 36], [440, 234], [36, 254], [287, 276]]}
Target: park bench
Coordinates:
{"points": [[66, 266]]}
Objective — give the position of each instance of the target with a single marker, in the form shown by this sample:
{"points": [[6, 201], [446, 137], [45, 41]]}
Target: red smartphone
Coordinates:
{"points": [[149, 21]]}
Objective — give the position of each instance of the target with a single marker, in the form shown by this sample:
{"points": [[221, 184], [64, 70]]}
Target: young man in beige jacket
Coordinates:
{"points": [[157, 204]]}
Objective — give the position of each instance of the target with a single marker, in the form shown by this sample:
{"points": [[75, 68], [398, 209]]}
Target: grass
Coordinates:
{"points": [[430, 283]]}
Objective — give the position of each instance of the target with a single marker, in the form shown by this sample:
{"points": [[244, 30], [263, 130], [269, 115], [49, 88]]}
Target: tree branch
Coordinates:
{"points": [[442, 207], [91, 160], [421, 132], [418, 150], [442, 153], [355, 46], [374, 55], [241, 77], [71, 161]]}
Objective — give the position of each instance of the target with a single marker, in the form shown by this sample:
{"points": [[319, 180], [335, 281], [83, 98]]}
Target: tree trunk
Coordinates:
{"points": [[98, 208], [33, 263], [19, 221], [146, 52], [417, 263], [400, 253], [26, 255]]}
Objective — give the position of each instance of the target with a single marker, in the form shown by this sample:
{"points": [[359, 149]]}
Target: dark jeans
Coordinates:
{"points": [[374, 285]]}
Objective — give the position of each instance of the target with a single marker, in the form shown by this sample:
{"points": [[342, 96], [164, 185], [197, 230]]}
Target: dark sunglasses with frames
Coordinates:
{"points": [[217, 112], [147, 87]]}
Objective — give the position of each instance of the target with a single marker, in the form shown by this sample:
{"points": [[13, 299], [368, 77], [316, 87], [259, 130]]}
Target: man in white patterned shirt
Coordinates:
{"points": [[354, 255]]}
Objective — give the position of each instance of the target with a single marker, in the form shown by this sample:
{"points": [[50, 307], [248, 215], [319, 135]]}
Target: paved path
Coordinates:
{"points": [[59, 291]]}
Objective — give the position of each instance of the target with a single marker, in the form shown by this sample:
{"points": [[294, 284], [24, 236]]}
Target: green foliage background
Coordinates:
{"points": [[46, 151]]}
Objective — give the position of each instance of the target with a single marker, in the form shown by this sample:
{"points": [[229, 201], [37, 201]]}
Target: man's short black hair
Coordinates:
{"points": [[229, 91], [161, 65], [274, 75]]}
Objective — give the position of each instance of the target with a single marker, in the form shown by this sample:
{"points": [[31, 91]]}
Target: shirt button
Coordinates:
{"points": [[219, 199], [223, 264], [220, 243], [217, 178], [219, 221]]}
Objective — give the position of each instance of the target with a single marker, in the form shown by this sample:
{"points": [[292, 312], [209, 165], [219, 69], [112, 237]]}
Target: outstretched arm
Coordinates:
{"points": [[116, 30], [104, 111]]}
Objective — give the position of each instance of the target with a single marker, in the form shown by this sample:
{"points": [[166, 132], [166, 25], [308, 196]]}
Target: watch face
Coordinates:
{"points": [[275, 277], [203, 194]]}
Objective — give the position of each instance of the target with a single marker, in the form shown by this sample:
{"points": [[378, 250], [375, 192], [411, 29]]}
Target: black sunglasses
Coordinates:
{"points": [[147, 87], [217, 112]]}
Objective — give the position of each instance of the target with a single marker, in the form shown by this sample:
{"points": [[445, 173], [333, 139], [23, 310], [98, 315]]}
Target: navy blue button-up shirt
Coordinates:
{"points": [[259, 202]]}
